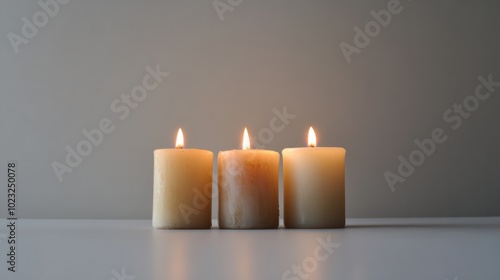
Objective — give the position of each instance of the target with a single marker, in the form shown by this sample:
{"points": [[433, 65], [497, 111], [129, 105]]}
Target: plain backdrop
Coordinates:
{"points": [[233, 70]]}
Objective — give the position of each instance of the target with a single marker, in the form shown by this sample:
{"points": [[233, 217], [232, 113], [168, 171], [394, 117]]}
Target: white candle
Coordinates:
{"points": [[248, 188], [314, 186], [182, 187]]}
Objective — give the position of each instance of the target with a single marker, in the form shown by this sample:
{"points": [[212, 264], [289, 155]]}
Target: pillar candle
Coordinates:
{"points": [[182, 188], [248, 188], [314, 188]]}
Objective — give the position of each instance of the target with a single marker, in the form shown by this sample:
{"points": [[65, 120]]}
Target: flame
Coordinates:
{"points": [[246, 140], [311, 139], [179, 143]]}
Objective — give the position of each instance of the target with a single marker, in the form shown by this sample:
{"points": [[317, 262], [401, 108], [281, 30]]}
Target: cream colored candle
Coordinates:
{"points": [[248, 188], [182, 195], [314, 187]]}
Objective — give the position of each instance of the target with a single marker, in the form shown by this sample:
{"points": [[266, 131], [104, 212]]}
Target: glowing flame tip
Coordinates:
{"points": [[246, 140], [179, 143], [311, 139]]}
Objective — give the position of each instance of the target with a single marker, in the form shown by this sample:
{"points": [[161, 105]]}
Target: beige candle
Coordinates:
{"points": [[248, 188], [182, 187], [314, 190]]}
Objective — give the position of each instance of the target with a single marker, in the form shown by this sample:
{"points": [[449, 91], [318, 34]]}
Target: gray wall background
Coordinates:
{"points": [[230, 73]]}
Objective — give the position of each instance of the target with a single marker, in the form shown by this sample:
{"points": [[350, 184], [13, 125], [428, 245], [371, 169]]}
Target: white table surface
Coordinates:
{"points": [[422, 248]]}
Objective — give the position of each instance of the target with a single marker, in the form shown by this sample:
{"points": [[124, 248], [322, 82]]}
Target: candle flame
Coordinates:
{"points": [[311, 138], [179, 143], [246, 140]]}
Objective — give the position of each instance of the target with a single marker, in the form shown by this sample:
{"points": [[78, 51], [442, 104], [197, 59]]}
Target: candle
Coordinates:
{"points": [[314, 190], [182, 188], [248, 188]]}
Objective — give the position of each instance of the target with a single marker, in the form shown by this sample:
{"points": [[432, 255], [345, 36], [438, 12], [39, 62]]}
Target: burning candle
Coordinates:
{"points": [[182, 188], [314, 186], [248, 188]]}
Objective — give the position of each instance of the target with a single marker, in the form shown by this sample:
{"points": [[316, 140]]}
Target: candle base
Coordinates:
{"points": [[248, 189], [314, 188], [173, 227], [249, 226], [296, 225], [182, 189]]}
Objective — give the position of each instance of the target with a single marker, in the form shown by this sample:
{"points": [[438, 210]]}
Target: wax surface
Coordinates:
{"points": [[314, 187], [182, 188], [248, 189]]}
